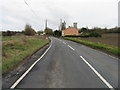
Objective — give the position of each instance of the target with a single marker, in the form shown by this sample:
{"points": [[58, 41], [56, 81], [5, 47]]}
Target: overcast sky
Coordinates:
{"points": [[87, 13]]}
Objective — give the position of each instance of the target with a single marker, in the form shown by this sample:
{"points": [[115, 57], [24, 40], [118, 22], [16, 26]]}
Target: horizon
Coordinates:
{"points": [[58, 29]]}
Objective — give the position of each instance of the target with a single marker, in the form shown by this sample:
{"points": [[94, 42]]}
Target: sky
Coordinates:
{"points": [[15, 14]]}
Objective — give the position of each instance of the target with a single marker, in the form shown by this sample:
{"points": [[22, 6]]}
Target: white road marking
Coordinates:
{"points": [[71, 47], [98, 74], [102, 52], [22, 77], [64, 42], [59, 40]]}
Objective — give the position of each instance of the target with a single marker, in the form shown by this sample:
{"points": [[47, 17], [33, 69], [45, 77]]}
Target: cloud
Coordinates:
{"points": [[15, 13]]}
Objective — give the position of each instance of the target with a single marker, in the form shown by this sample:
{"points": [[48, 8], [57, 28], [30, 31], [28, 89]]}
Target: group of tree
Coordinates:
{"points": [[97, 32], [100, 30], [49, 32], [57, 33], [11, 33], [27, 31]]}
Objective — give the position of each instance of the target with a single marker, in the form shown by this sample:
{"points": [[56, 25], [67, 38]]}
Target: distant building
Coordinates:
{"points": [[70, 30], [63, 27]]}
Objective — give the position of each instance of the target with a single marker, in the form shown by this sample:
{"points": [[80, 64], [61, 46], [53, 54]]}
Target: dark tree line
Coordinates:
{"points": [[84, 31], [11, 33], [27, 31]]}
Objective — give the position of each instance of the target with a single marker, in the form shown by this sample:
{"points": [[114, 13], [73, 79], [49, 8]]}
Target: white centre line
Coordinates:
{"points": [[64, 42], [98, 74], [60, 40], [71, 48], [22, 77]]}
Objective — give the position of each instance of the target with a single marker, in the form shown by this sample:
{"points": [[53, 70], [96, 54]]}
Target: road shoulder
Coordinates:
{"points": [[9, 78]]}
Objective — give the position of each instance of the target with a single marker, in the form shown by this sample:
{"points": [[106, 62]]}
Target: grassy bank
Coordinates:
{"points": [[105, 47], [15, 49]]}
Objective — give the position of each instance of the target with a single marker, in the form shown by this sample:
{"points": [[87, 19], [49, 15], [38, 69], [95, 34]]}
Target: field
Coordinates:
{"points": [[17, 48], [109, 39]]}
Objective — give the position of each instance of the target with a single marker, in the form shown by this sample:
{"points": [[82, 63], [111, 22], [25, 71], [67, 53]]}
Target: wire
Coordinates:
{"points": [[30, 8]]}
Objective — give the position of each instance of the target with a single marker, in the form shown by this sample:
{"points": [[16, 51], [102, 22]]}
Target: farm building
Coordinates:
{"points": [[70, 30]]}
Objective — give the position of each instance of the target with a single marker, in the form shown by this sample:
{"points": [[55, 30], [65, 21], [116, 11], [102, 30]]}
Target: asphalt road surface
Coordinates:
{"points": [[71, 65]]}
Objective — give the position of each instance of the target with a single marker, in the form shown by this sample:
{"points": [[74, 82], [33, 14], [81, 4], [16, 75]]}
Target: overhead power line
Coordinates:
{"points": [[30, 8]]}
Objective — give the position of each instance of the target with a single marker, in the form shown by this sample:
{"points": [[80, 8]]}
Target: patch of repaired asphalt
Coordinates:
{"points": [[56, 76], [9, 78]]}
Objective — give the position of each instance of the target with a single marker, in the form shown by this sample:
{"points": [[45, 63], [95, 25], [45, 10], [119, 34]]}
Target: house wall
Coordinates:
{"points": [[71, 31], [63, 33]]}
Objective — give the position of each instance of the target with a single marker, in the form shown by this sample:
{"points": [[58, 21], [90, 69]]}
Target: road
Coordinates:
{"points": [[71, 65]]}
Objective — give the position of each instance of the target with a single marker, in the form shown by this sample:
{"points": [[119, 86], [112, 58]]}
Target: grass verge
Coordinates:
{"points": [[108, 48], [16, 50]]}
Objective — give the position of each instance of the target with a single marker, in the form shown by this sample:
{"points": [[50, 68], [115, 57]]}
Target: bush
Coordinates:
{"points": [[85, 35], [95, 34]]}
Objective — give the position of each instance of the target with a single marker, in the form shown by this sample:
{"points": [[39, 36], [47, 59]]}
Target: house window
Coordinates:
{"points": [[71, 30]]}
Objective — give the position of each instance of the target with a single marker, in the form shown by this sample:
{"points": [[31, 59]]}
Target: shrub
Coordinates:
{"points": [[85, 35], [95, 34]]}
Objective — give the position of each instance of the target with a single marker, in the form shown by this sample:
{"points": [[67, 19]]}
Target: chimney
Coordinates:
{"points": [[75, 25]]}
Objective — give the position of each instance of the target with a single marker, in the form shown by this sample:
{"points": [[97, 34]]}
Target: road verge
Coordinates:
{"points": [[103, 47], [10, 77]]}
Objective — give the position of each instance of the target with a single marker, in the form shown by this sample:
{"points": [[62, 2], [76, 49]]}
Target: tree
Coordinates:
{"points": [[83, 30], [29, 30], [48, 31], [40, 32], [57, 33]]}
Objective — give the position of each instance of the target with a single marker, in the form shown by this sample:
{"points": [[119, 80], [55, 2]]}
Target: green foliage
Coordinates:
{"points": [[92, 34], [57, 33], [84, 30], [8, 33], [11, 33], [95, 34], [40, 32], [113, 30], [29, 31], [84, 35], [105, 47], [48, 31]]}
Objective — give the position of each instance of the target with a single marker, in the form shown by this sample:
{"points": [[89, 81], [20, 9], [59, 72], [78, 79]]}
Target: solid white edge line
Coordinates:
{"points": [[108, 55], [98, 74], [71, 47], [103, 53], [22, 77]]}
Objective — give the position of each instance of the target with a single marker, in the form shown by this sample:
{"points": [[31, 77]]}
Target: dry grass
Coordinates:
{"points": [[16, 48]]}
